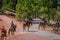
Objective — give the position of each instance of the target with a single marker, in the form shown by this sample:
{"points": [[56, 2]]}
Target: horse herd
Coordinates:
{"points": [[11, 31], [55, 25]]}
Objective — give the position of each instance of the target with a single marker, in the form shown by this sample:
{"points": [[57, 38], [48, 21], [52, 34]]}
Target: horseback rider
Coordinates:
{"points": [[43, 19], [12, 24], [12, 28], [27, 21], [31, 21], [3, 31]]}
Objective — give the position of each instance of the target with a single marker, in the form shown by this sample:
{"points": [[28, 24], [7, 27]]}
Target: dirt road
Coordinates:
{"points": [[20, 35]]}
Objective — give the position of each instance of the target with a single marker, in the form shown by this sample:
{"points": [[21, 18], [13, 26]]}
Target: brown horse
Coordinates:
{"points": [[27, 25], [11, 31], [42, 25], [3, 35]]}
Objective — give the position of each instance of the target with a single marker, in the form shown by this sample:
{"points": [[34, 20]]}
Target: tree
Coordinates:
{"points": [[6, 4], [32, 8], [18, 15], [0, 4], [13, 3]]}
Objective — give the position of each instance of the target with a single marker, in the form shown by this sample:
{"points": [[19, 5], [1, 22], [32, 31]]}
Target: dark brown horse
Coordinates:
{"points": [[12, 30], [27, 25], [3, 35], [42, 25]]}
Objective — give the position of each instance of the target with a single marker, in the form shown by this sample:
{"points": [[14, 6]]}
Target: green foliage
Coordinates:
{"points": [[18, 11], [6, 4], [32, 8], [58, 8], [1, 10]]}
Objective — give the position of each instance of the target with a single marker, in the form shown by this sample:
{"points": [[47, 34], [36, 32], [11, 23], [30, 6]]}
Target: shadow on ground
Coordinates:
{"points": [[33, 31]]}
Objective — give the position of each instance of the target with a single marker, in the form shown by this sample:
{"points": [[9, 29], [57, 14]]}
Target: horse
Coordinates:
{"points": [[3, 35], [27, 25], [56, 26], [42, 25], [11, 31]]}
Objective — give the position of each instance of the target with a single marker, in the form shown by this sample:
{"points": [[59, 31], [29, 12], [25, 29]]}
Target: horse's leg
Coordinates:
{"points": [[23, 28], [15, 29], [9, 33], [2, 37], [44, 26], [39, 27], [5, 38], [28, 27], [12, 32]]}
